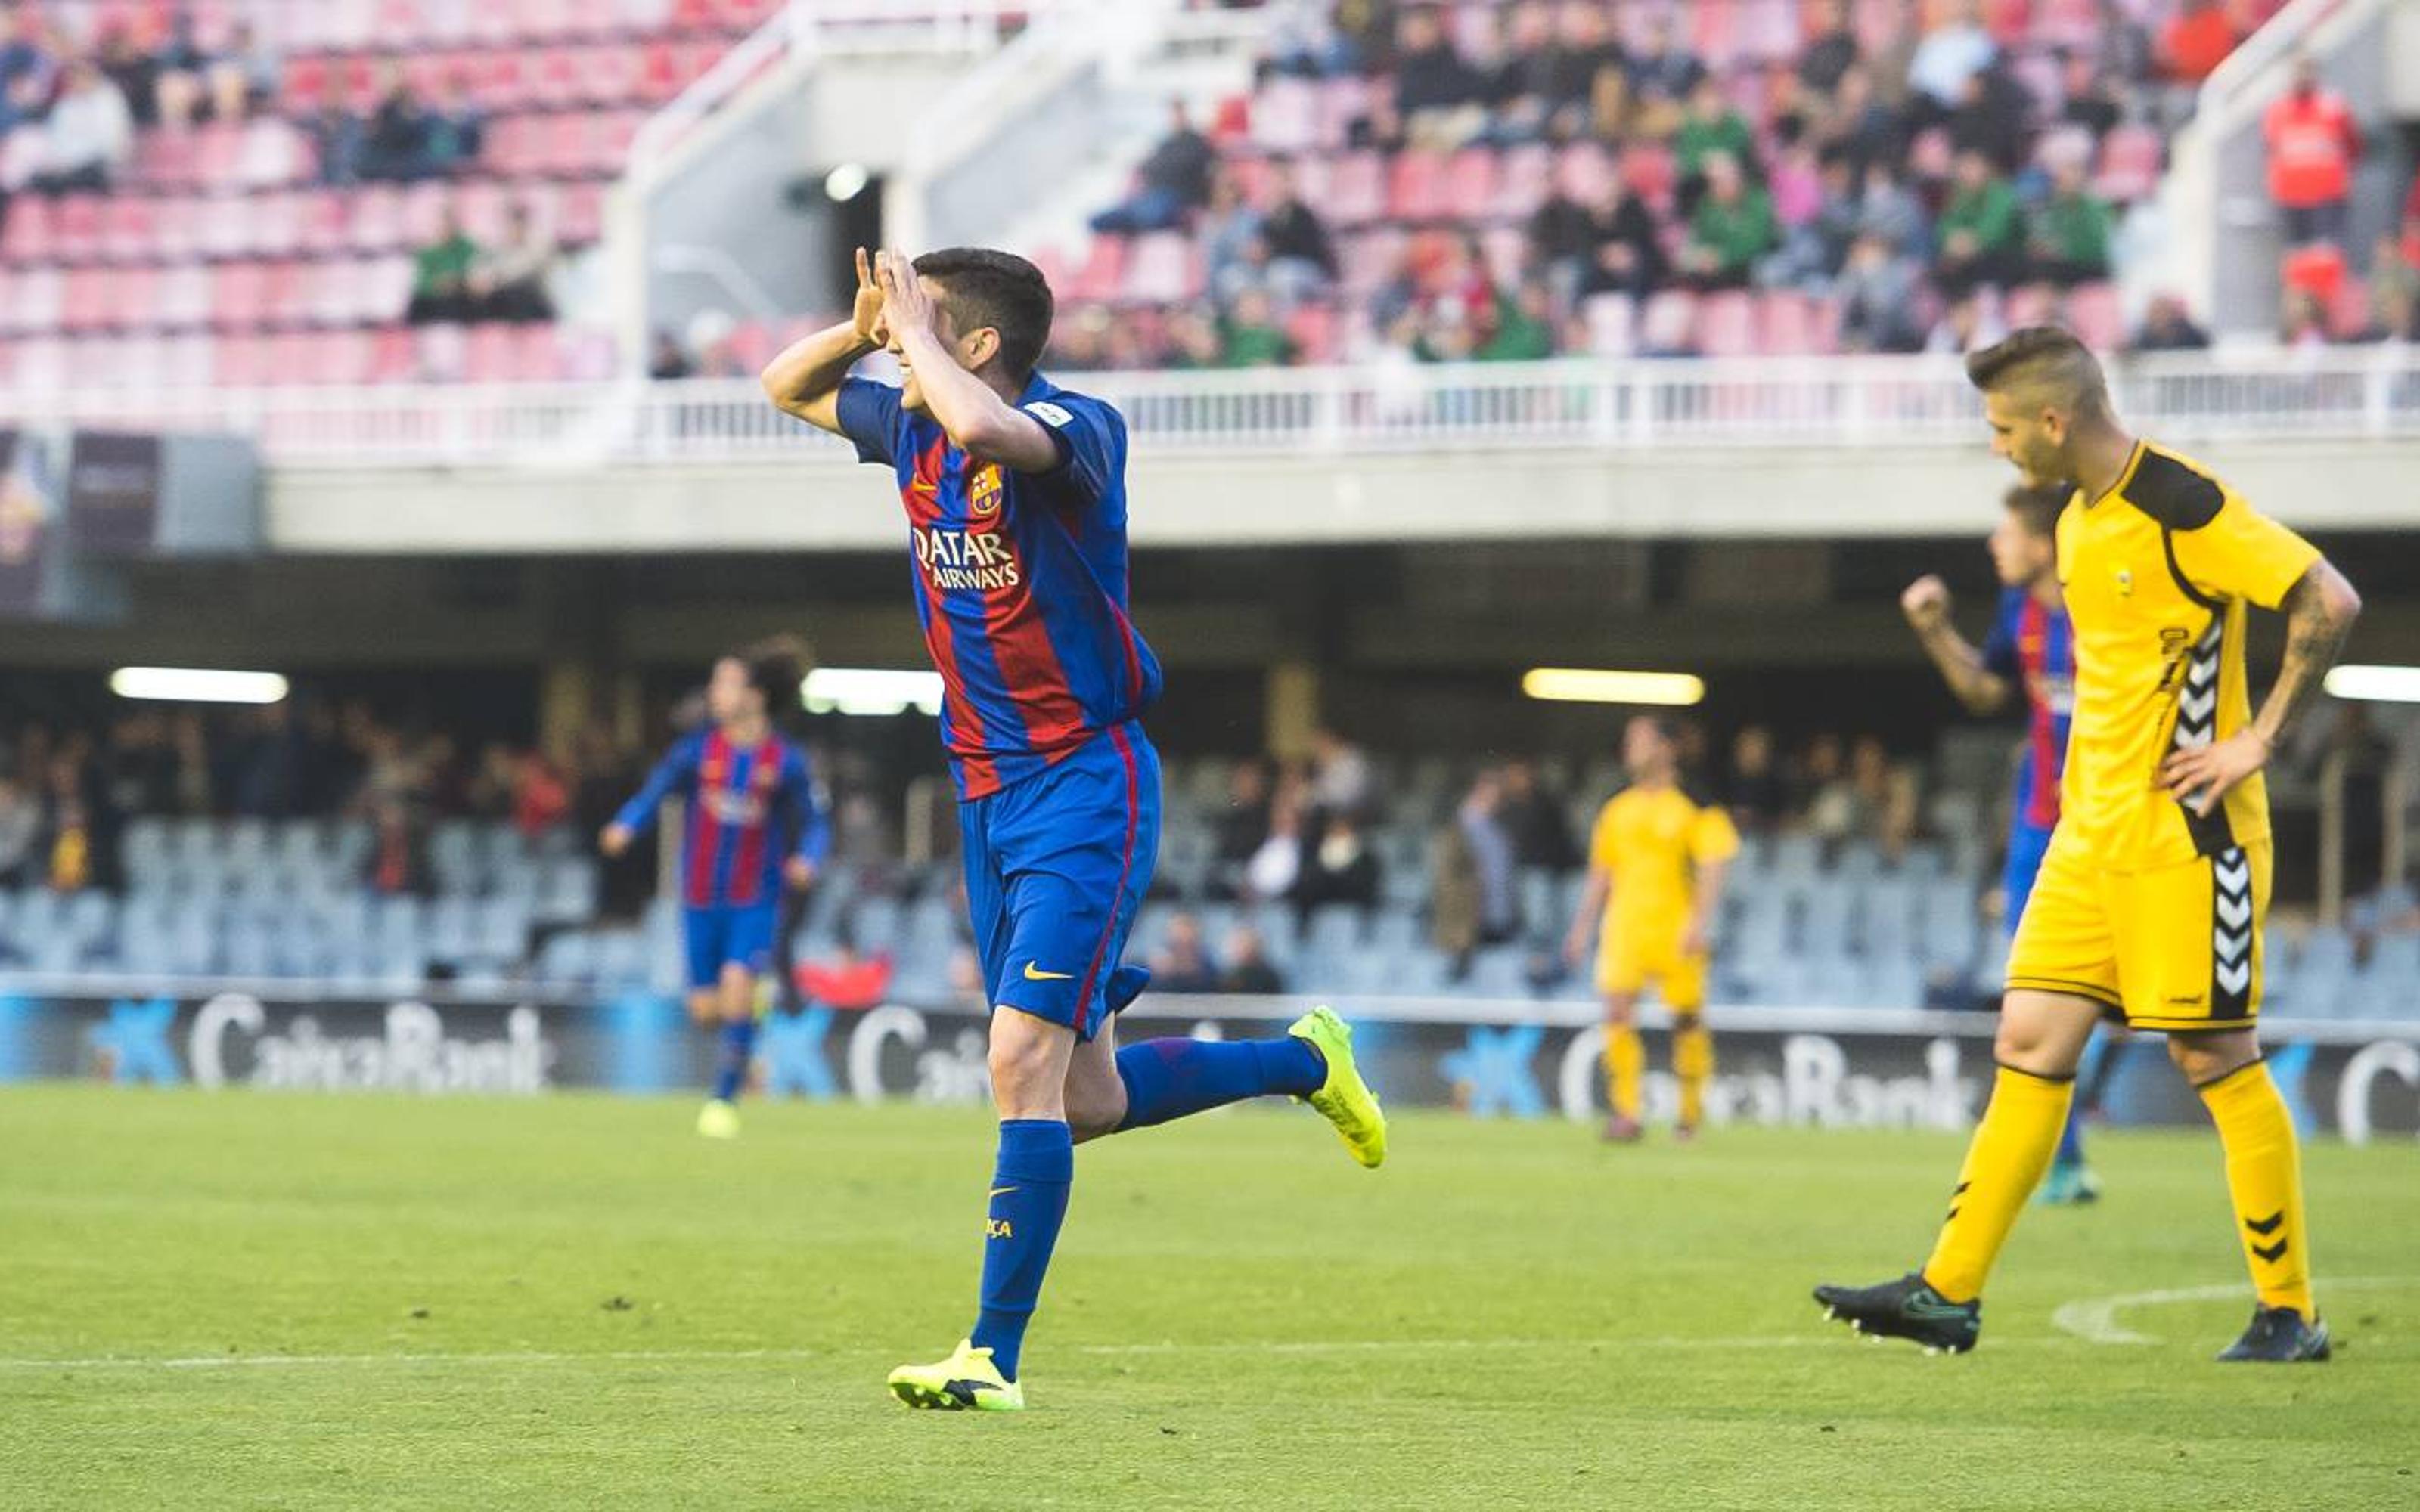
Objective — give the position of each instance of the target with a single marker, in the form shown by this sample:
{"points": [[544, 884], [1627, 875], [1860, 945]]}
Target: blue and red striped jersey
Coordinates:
{"points": [[1020, 580], [2032, 643], [750, 809]]}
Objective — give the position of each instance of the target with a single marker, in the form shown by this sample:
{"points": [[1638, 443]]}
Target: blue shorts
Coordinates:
{"points": [[725, 936], [2027, 845], [1056, 867]]}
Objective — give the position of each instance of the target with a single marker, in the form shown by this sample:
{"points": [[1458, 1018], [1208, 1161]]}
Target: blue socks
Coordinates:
{"points": [[1028, 1202], [2070, 1141], [1172, 1079], [731, 1060]]}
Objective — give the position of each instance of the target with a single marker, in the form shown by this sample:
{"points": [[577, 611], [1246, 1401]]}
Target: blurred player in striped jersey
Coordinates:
{"points": [[752, 824]]}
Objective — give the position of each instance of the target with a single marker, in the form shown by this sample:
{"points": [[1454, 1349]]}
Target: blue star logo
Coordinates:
{"points": [[793, 1047], [1493, 1067], [136, 1040]]}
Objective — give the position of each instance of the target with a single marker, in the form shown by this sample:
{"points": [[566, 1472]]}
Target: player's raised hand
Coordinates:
{"points": [[905, 306], [614, 841], [866, 315], [2198, 778], [799, 873], [1926, 603]]}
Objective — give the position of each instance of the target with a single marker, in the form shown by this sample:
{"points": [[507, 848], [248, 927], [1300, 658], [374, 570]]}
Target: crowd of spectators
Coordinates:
{"points": [[455, 279], [66, 794]]}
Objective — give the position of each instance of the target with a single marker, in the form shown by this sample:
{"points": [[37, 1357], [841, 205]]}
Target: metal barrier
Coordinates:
{"points": [[2333, 394]]}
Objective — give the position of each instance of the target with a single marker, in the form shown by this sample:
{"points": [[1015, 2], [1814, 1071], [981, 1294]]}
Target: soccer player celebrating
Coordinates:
{"points": [[2031, 648], [1015, 491], [753, 823], [2151, 897], [1655, 884]]}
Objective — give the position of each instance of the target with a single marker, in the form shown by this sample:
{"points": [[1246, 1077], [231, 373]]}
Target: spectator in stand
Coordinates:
{"points": [[1341, 869], [1981, 237], [1241, 827], [1524, 327], [1586, 72], [1831, 47], [2313, 144], [1815, 249], [397, 865], [1855, 123], [2197, 41], [1276, 865], [182, 65], [2068, 234], [1173, 182], [1531, 86], [1886, 207], [2167, 328], [338, 132], [543, 794], [1876, 292], [88, 135], [1890, 63], [1562, 235], [1302, 259], [1249, 336], [1247, 968], [1753, 790], [1182, 963], [1439, 99], [2089, 96], [441, 275], [26, 72], [458, 131], [1193, 340], [670, 360], [394, 144], [508, 282], [247, 77], [1949, 55], [1341, 779], [1967, 325], [1994, 117], [21, 831], [1661, 69], [135, 72], [78, 838], [1474, 899], [2302, 322], [1228, 230], [1536, 821], [1710, 128], [1733, 228], [1883, 797], [2393, 292], [2123, 44]]}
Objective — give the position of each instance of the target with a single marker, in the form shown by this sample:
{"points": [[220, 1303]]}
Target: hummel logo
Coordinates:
{"points": [[1033, 972], [2265, 1226]]}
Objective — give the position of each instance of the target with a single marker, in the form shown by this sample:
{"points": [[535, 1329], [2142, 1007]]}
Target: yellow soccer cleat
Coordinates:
{"points": [[719, 1120], [966, 1382], [1344, 1099]]}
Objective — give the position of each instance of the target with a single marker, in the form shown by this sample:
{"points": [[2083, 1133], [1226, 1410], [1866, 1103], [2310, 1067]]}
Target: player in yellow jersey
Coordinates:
{"points": [[2151, 900], [1655, 882]]}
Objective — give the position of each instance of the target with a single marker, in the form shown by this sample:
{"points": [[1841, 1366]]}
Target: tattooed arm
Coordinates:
{"points": [[2320, 611]]}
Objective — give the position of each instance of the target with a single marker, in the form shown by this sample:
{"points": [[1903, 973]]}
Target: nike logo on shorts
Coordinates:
{"points": [[1034, 973]]}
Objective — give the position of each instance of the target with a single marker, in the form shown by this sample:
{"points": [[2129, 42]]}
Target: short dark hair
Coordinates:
{"points": [[2036, 506], [981, 287], [2046, 356], [776, 666]]}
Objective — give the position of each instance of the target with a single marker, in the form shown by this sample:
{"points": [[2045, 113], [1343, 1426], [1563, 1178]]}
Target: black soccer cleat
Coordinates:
{"points": [[2280, 1335], [1907, 1308]]}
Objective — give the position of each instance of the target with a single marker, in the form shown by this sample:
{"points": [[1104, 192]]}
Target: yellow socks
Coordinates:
{"points": [[1693, 1063], [1625, 1059], [2012, 1147], [2264, 1176]]}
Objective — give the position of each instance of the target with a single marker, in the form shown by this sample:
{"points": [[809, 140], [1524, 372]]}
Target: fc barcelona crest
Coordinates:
{"points": [[983, 491]]}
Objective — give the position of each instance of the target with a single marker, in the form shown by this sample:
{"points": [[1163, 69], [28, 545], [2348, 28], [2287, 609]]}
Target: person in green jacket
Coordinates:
{"points": [[441, 275], [1710, 127], [1981, 240], [1733, 227], [2068, 234], [1251, 335], [1524, 327]]}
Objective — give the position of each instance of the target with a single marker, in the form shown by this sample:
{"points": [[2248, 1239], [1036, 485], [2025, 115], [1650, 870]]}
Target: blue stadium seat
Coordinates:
{"points": [[620, 957], [1825, 920], [567, 891], [500, 931], [447, 929], [567, 956]]}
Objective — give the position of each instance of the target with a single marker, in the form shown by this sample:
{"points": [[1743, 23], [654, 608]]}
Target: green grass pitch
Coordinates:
{"points": [[253, 1301]]}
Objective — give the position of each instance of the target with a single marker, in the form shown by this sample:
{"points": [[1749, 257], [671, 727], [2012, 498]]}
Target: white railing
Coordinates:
{"points": [[2336, 393]]}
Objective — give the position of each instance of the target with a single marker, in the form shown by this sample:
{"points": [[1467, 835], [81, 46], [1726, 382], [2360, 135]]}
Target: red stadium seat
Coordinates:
{"points": [[1315, 331], [41, 365], [186, 296], [1104, 268], [320, 227], [188, 362], [1470, 184], [1727, 325], [1356, 189], [286, 293], [1612, 324], [658, 71], [2131, 162], [2094, 314], [441, 353], [135, 298], [243, 362], [1342, 101], [222, 227], [239, 298], [492, 355], [1415, 186], [77, 232], [129, 229], [610, 74], [1160, 268], [85, 304], [1668, 325], [1506, 249], [27, 237], [36, 300], [421, 211], [580, 218], [1285, 115], [1785, 324], [393, 355], [1521, 187], [387, 287], [1649, 171], [554, 78], [479, 206], [1584, 172], [276, 224], [176, 228]]}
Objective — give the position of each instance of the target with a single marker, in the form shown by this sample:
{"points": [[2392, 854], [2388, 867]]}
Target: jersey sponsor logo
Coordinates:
{"points": [[2125, 583], [744, 808], [966, 559], [998, 1228], [983, 491], [1050, 414]]}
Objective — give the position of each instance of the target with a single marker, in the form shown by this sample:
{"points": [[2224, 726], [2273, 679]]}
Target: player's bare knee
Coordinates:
{"points": [[1093, 1111], [2206, 1057], [1621, 1013]]}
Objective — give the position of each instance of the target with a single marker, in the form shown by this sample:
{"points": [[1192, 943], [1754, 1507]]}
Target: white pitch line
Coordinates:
{"points": [[1564, 1346], [2094, 1320]]}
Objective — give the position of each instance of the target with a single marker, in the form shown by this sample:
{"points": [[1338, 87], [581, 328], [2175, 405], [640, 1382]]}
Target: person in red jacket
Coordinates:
{"points": [[2313, 144]]}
